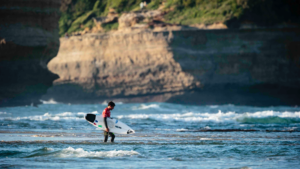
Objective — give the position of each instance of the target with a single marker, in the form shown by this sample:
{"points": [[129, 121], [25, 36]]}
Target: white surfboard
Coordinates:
{"points": [[114, 125]]}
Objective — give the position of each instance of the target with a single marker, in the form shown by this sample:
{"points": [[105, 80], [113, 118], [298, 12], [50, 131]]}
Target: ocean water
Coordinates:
{"points": [[55, 135]]}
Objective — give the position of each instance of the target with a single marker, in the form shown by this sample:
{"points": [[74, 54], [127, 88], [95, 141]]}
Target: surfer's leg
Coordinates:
{"points": [[112, 137], [105, 136]]}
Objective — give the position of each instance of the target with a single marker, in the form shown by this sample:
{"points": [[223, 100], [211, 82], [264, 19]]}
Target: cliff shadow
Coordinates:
{"points": [[241, 67]]}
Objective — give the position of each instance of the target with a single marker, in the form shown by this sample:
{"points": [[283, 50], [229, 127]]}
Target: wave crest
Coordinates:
{"points": [[143, 107], [256, 117], [79, 152], [49, 116], [51, 101]]}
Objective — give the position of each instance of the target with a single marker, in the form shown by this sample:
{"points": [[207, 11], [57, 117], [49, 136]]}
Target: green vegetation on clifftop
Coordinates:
{"points": [[188, 12], [78, 14], [261, 12]]}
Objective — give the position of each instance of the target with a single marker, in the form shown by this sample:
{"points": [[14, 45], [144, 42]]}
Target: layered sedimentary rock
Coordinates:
{"points": [[29, 40], [116, 65], [257, 67]]}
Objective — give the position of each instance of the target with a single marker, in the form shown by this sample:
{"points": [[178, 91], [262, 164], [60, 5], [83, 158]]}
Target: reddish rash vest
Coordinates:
{"points": [[106, 112]]}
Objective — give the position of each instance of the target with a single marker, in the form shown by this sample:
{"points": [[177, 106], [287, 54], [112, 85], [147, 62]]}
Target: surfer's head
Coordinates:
{"points": [[111, 105]]}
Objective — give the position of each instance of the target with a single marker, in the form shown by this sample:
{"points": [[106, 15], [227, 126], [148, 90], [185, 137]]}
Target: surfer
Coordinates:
{"points": [[105, 114]]}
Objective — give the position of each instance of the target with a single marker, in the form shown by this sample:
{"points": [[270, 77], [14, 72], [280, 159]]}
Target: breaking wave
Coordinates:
{"points": [[256, 117], [49, 116], [79, 152], [51, 101], [143, 107], [69, 152], [261, 117]]}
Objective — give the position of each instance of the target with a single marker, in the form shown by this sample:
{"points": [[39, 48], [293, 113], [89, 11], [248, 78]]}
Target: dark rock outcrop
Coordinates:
{"points": [[29, 40], [244, 67]]}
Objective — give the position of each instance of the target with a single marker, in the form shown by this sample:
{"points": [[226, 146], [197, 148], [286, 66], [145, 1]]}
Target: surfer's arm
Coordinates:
{"points": [[105, 122]]}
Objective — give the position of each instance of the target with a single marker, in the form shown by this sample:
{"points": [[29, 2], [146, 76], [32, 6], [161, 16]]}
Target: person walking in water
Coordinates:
{"points": [[105, 114]]}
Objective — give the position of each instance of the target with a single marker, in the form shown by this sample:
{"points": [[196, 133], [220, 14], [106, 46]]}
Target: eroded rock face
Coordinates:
{"points": [[248, 67], [118, 65], [29, 40]]}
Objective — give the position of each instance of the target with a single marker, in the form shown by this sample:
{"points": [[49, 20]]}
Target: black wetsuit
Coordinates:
{"points": [[108, 133]]}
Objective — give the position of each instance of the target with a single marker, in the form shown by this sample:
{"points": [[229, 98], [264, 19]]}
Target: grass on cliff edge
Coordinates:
{"points": [[78, 14], [260, 12], [110, 26], [202, 11]]}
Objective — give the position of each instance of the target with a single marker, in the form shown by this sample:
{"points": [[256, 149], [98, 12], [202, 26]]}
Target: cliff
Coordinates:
{"points": [[116, 65], [29, 40], [246, 67]]}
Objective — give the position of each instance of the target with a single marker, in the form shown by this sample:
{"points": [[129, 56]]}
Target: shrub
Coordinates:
{"points": [[110, 26]]}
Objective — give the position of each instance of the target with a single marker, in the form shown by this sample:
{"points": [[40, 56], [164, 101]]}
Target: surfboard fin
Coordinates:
{"points": [[130, 132], [90, 117]]}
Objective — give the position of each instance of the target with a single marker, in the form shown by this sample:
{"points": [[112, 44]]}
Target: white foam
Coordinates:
{"points": [[4, 113], [271, 113], [49, 149], [94, 112], [65, 114], [205, 138], [49, 116], [79, 152], [51, 101], [143, 107], [182, 130], [215, 117], [190, 116]]}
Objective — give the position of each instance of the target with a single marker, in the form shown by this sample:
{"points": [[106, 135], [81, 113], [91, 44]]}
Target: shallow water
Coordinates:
{"points": [[167, 136]]}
